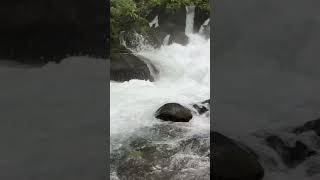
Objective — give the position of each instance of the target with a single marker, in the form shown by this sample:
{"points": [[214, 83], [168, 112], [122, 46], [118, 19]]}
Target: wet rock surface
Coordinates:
{"points": [[232, 161], [158, 153], [202, 107], [291, 155], [179, 38], [309, 126], [174, 24], [174, 112], [127, 66]]}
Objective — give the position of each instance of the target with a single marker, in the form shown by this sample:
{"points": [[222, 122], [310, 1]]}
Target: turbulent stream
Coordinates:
{"points": [[143, 147]]}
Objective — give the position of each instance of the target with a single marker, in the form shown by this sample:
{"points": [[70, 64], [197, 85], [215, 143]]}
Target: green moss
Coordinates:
{"points": [[136, 154]]}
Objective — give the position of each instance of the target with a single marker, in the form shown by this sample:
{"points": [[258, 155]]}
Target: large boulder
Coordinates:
{"points": [[233, 162], [173, 112], [43, 30], [127, 66]]}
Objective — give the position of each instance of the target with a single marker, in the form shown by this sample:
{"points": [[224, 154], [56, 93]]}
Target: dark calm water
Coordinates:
{"points": [[53, 120], [266, 64]]}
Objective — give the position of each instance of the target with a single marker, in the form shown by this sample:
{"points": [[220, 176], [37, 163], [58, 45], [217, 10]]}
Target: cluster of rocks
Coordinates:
{"points": [[234, 160], [299, 151]]}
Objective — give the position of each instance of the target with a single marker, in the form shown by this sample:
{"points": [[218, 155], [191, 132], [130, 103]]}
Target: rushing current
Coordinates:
{"points": [[184, 78]]}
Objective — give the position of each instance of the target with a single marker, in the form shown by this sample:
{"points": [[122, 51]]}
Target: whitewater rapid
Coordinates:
{"points": [[184, 77]]}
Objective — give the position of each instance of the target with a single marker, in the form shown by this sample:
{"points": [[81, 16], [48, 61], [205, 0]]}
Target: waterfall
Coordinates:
{"points": [[154, 22], [189, 19], [166, 40]]}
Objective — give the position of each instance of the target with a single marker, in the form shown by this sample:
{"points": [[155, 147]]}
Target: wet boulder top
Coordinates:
{"points": [[31, 30]]}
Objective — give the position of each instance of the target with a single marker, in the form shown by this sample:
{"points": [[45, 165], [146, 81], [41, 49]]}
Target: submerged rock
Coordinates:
{"points": [[232, 161], [309, 126], [127, 66], [173, 112], [141, 158], [291, 156]]}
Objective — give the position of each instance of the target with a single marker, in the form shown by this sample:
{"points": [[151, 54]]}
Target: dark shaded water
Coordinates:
{"points": [[266, 63], [53, 120], [266, 72]]}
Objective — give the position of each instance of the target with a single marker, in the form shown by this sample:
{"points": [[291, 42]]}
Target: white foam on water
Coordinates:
{"points": [[184, 77]]}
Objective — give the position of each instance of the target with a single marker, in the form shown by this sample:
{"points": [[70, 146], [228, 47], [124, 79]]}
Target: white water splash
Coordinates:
{"points": [[166, 40], [189, 19], [184, 78], [154, 22]]}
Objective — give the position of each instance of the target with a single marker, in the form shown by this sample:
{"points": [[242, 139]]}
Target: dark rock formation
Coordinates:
{"points": [[174, 24], [206, 102], [232, 161], [200, 17], [202, 107], [127, 66], [38, 31], [173, 112], [291, 156], [309, 126], [179, 38]]}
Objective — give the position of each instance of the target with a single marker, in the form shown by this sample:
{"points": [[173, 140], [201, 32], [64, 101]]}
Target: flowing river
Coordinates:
{"points": [[182, 148]]}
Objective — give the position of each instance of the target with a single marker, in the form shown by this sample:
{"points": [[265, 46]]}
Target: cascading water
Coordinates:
{"points": [[189, 19], [155, 22], [174, 150], [166, 40]]}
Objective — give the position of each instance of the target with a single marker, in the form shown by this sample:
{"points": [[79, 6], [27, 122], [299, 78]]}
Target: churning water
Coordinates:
{"points": [[184, 77]]}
